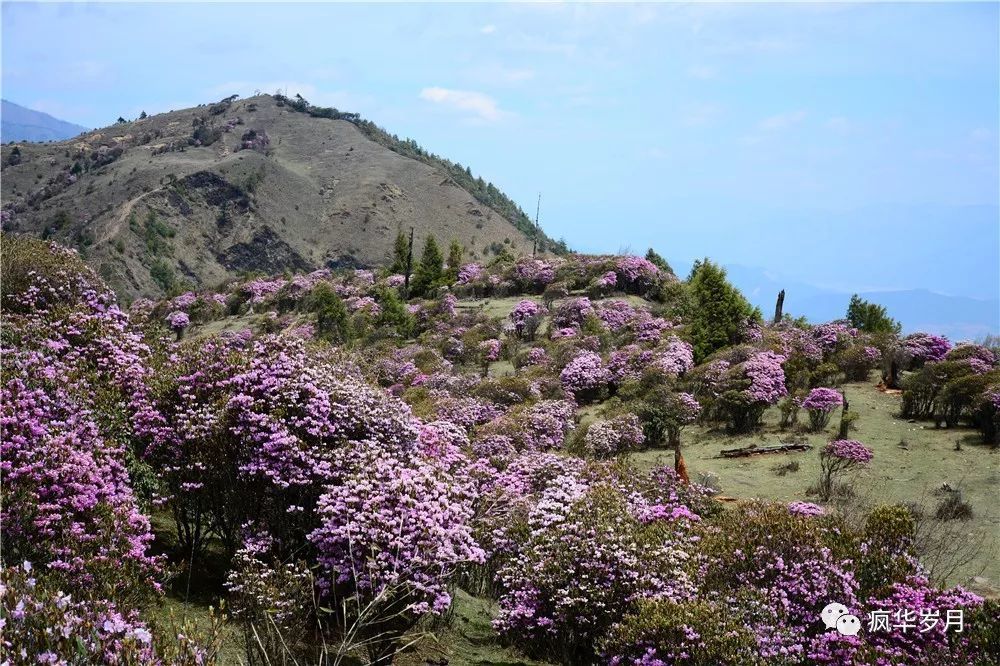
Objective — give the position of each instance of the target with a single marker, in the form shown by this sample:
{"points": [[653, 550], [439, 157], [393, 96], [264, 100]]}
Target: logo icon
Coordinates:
{"points": [[832, 613], [837, 616], [848, 625]]}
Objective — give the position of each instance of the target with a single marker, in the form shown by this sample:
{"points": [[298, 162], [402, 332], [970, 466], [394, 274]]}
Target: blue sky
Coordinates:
{"points": [[847, 146]]}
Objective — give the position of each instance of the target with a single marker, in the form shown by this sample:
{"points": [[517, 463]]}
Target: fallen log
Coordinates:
{"points": [[754, 450]]}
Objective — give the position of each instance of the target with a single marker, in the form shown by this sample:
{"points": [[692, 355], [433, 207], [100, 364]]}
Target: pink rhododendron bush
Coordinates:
{"points": [[333, 462]]}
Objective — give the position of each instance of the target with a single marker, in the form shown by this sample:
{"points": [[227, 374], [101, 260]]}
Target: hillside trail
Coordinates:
{"points": [[115, 227]]}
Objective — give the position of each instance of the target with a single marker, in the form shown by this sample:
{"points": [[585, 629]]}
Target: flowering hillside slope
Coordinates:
{"points": [[339, 465]]}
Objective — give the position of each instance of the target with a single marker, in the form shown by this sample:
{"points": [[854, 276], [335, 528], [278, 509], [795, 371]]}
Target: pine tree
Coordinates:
{"points": [[870, 317], [429, 270], [653, 257], [719, 311], [454, 262], [332, 320], [399, 251]]}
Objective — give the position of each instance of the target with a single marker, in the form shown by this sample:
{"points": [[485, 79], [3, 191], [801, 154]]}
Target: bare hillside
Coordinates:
{"points": [[208, 193]]}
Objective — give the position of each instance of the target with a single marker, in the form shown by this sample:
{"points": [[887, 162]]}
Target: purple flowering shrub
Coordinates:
{"points": [[820, 404], [531, 275], [739, 392], [43, 624], [839, 458], [536, 427], [392, 534], [67, 502], [526, 317], [251, 432], [572, 313], [585, 376], [607, 438], [923, 348], [585, 557], [636, 275], [931, 643]]}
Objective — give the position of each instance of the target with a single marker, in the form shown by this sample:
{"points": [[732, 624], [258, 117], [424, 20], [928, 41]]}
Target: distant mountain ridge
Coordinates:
{"points": [[19, 123], [958, 317], [262, 184]]}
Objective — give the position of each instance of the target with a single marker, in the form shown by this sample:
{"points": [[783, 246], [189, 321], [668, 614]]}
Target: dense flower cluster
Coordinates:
{"points": [[767, 378], [532, 274], [675, 357], [178, 320], [839, 458], [490, 349], [925, 347], [820, 403], [607, 438], [572, 312], [615, 313], [585, 375], [526, 316], [849, 449], [636, 274], [469, 273], [395, 532], [806, 509]]}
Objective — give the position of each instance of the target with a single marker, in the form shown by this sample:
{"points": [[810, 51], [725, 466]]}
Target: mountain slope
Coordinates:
{"points": [[208, 193], [18, 123]]}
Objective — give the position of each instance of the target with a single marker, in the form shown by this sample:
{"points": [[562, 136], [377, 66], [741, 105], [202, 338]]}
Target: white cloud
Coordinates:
{"points": [[782, 120], [481, 105], [488, 29]]}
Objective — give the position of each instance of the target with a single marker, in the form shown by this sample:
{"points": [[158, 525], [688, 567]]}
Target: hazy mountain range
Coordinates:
{"points": [[958, 317], [18, 123]]}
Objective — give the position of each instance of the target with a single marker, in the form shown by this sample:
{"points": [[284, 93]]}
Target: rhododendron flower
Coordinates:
{"points": [[178, 320], [585, 374], [469, 273]]}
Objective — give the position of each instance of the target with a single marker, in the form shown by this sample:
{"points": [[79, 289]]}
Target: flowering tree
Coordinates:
{"points": [[178, 322], [820, 404], [609, 437], [572, 313], [392, 534], [585, 556], [925, 347], [489, 352], [838, 458], [585, 376], [526, 316], [747, 389], [635, 274]]}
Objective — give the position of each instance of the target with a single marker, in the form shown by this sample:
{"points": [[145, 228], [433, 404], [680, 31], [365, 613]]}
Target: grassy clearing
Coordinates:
{"points": [[912, 460]]}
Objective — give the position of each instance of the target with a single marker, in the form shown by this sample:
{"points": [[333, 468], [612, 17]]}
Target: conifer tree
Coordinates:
{"points": [[719, 312], [429, 270]]}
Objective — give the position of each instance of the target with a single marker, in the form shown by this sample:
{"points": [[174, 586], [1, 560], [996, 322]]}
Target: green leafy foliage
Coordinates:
{"points": [[718, 311], [430, 269], [870, 317], [333, 322]]}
